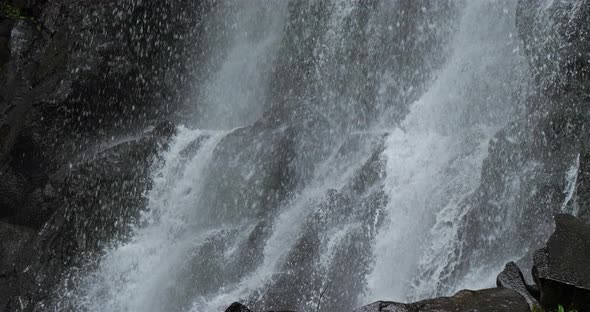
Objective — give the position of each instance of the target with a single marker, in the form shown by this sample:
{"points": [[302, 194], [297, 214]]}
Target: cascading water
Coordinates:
{"points": [[435, 157], [362, 130]]}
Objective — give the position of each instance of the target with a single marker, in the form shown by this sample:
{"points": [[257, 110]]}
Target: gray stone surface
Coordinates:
{"points": [[511, 277], [487, 300], [561, 269]]}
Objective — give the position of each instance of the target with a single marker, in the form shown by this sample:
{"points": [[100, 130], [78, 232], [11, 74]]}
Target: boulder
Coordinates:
{"points": [[512, 278], [561, 269], [237, 307], [487, 300]]}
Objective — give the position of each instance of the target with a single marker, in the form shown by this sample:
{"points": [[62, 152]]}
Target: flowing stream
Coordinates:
{"points": [[337, 147]]}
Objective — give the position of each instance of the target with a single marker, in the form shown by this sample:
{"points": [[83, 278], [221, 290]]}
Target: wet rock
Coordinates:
{"points": [[487, 300], [529, 159], [79, 82], [5, 27], [165, 129], [13, 240], [335, 222], [237, 307], [555, 37], [298, 71], [78, 210], [101, 195], [257, 167], [512, 278], [583, 186], [561, 269]]}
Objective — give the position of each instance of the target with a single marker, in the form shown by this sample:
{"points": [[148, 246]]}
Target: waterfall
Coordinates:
{"points": [[434, 158], [336, 149]]}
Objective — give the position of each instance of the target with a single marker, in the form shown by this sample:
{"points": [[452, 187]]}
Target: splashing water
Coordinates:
{"points": [[434, 161], [352, 194], [133, 276]]}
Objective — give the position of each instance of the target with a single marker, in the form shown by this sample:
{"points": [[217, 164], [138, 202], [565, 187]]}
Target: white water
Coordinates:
{"points": [[235, 93], [432, 163], [571, 178], [133, 275]]}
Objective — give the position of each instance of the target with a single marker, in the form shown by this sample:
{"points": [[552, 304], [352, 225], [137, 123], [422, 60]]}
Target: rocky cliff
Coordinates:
{"points": [[91, 91], [87, 93]]}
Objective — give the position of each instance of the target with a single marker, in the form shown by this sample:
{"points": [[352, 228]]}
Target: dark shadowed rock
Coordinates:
{"points": [[79, 82], [237, 307], [13, 240], [512, 278], [561, 269], [583, 186], [487, 300], [87, 204]]}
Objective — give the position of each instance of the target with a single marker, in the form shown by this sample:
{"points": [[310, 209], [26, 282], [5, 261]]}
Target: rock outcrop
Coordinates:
{"points": [[85, 92], [512, 278], [561, 268], [487, 300], [237, 307]]}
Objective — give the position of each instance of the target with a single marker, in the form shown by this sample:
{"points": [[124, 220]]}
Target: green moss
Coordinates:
{"points": [[537, 308], [14, 13], [11, 11], [560, 308]]}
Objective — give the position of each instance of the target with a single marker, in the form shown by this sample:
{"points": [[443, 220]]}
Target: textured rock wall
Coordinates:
{"points": [[85, 90], [524, 178]]}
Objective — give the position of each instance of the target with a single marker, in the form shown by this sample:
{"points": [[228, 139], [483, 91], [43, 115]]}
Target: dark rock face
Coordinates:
{"points": [[13, 261], [91, 204], [81, 84], [561, 269], [78, 75], [237, 307], [487, 300], [555, 38], [583, 186]]}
